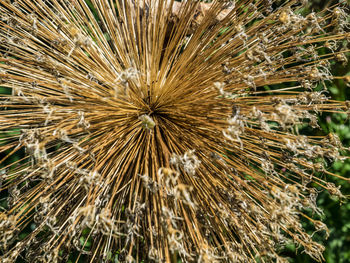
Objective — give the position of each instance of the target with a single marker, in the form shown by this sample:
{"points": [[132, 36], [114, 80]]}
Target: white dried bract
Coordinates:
{"points": [[228, 95], [175, 189], [7, 229], [208, 254], [83, 122], [106, 224], [334, 190], [189, 162], [33, 141], [89, 179], [99, 222], [176, 243], [320, 226], [170, 216], [63, 135], [129, 259], [236, 128], [67, 91], [128, 74], [123, 79], [168, 176], [79, 39], [261, 118], [49, 110], [149, 183], [183, 192]]}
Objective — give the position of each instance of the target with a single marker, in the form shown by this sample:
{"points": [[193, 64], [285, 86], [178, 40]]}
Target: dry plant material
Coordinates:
{"points": [[145, 130]]}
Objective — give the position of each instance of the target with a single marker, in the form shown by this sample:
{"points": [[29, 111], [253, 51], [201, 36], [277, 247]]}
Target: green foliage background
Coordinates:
{"points": [[336, 214]]}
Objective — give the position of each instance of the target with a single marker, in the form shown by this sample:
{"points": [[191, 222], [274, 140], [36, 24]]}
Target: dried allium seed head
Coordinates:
{"points": [[146, 128]]}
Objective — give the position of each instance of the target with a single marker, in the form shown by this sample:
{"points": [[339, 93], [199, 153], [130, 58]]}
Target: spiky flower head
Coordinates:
{"points": [[148, 130]]}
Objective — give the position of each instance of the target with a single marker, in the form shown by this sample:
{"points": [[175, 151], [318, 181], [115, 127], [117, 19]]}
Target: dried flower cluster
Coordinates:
{"points": [[151, 130]]}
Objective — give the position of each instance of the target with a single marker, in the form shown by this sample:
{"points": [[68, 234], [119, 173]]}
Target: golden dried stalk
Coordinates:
{"points": [[145, 129]]}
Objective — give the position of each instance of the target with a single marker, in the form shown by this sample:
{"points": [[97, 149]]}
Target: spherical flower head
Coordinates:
{"points": [[139, 131]]}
